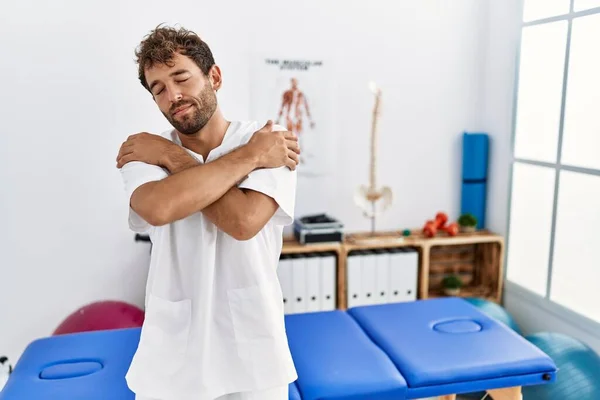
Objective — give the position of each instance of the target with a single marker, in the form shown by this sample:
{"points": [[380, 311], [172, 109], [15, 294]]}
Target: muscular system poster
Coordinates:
{"points": [[296, 94]]}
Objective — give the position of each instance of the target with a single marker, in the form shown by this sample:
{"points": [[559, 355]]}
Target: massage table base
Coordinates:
{"points": [[513, 393]]}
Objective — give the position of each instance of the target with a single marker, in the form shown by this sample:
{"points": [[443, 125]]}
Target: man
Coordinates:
{"points": [[214, 196]]}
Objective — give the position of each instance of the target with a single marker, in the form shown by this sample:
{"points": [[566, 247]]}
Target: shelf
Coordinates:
{"points": [[291, 246], [442, 239], [361, 240], [485, 292], [476, 257]]}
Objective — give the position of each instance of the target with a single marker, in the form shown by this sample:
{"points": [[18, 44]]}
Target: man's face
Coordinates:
{"points": [[183, 93]]}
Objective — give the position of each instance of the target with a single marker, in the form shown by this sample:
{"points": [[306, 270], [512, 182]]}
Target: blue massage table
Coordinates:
{"points": [[90, 365], [425, 348]]}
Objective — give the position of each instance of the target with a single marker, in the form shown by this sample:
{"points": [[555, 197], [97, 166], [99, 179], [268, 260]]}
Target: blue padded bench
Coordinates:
{"points": [[90, 366], [335, 359], [447, 346], [294, 393], [397, 351], [87, 365]]}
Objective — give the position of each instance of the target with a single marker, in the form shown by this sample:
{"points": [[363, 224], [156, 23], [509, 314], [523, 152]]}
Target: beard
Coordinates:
{"points": [[202, 109]]}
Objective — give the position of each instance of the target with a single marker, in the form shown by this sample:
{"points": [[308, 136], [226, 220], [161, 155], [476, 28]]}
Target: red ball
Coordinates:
{"points": [[102, 315]]}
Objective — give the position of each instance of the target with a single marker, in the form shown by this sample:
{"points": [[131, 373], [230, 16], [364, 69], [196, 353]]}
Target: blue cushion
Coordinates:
{"points": [[336, 360], [446, 345], [89, 365], [294, 393]]}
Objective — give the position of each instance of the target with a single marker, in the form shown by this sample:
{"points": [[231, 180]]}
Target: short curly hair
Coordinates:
{"points": [[161, 44]]}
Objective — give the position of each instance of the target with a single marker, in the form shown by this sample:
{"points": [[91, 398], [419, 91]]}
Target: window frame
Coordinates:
{"points": [[545, 302]]}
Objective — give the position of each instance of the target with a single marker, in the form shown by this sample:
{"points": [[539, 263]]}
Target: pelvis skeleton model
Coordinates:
{"points": [[370, 199]]}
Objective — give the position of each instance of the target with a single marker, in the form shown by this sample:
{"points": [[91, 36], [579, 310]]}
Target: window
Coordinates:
{"points": [[576, 272], [581, 5], [529, 236], [540, 91], [554, 212], [539, 9], [581, 137]]}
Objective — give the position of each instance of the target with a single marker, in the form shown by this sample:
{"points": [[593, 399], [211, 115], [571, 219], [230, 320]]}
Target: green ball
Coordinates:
{"points": [[406, 232]]}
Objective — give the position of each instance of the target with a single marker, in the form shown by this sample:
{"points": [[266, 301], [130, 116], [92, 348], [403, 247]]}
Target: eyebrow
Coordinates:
{"points": [[174, 73]]}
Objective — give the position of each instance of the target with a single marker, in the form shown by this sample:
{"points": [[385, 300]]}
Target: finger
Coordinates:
{"points": [[125, 149], [125, 146], [128, 144], [293, 156], [291, 164], [289, 135], [293, 145], [137, 135], [268, 126], [125, 159]]}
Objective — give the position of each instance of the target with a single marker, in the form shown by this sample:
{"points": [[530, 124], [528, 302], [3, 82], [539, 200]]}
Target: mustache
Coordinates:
{"points": [[179, 105]]}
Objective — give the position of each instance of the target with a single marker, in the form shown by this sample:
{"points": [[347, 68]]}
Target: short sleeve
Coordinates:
{"points": [[134, 175], [279, 184]]}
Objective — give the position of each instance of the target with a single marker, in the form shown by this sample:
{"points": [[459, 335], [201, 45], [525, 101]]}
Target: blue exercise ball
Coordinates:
{"points": [[495, 311], [578, 376]]}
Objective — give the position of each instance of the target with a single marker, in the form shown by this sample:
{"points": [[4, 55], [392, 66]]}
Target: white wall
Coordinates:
{"points": [[71, 96], [503, 35]]}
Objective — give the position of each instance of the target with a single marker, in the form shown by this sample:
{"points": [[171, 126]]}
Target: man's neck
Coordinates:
{"points": [[207, 138]]}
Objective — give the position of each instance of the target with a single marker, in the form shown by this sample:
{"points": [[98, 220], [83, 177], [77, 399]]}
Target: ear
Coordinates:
{"points": [[214, 75]]}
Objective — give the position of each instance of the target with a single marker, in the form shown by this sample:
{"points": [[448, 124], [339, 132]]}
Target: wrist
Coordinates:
{"points": [[176, 159], [251, 155], [167, 158]]}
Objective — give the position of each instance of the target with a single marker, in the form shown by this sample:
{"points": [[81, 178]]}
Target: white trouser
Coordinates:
{"points": [[278, 393]]}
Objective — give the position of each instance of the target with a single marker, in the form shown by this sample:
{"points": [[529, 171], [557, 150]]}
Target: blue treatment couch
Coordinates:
{"points": [[383, 352]]}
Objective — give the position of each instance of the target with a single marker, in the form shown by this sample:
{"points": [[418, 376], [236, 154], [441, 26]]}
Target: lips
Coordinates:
{"points": [[181, 110]]}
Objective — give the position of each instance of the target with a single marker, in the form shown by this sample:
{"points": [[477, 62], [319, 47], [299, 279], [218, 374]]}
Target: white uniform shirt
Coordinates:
{"points": [[214, 320]]}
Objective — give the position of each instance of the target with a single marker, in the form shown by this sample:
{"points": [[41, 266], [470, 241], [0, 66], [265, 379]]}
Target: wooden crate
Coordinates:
{"points": [[476, 257], [477, 264]]}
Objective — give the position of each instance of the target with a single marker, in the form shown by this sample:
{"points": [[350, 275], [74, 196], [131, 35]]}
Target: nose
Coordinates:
{"points": [[174, 94]]}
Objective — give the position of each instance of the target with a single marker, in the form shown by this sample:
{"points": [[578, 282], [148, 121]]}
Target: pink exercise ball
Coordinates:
{"points": [[102, 315]]}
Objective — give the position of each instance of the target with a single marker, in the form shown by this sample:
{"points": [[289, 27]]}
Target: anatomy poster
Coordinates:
{"points": [[296, 94]]}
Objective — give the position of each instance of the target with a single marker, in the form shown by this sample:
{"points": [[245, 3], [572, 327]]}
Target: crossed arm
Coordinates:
{"points": [[208, 188], [240, 213]]}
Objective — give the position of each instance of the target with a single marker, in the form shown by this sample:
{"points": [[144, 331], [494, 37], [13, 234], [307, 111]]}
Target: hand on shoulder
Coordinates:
{"points": [[145, 147], [275, 147]]}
